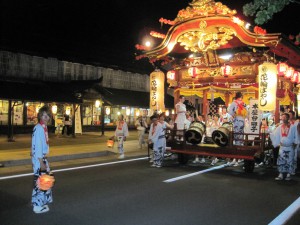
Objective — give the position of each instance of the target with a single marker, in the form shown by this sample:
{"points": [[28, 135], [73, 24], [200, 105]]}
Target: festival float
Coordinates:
{"points": [[210, 53]]}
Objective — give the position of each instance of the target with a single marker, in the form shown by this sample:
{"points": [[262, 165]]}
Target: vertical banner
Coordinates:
{"points": [[78, 127], [157, 91], [267, 79], [255, 116]]}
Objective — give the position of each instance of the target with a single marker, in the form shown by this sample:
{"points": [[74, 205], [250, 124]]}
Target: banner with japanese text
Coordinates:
{"points": [[255, 116]]}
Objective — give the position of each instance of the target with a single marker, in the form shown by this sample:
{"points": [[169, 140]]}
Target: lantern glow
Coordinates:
{"points": [[54, 109], [45, 182], [281, 69], [68, 110], [267, 78], [107, 110], [295, 77], [110, 143], [171, 75], [289, 73], [193, 71], [167, 112], [127, 111], [226, 70], [97, 103], [157, 90]]}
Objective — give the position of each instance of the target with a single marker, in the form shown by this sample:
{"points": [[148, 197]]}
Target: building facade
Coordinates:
{"points": [[27, 82]]}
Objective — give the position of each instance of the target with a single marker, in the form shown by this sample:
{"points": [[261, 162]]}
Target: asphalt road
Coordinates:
{"points": [[133, 193]]}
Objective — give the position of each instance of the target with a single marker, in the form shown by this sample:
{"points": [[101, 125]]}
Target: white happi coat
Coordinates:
{"points": [[181, 117], [154, 136], [157, 137], [238, 122], [120, 133], [286, 149], [294, 130]]}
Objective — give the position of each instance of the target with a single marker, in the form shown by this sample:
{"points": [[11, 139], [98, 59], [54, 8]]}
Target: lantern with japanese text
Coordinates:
{"points": [[289, 73], [267, 78], [281, 69], [226, 70], [157, 91]]}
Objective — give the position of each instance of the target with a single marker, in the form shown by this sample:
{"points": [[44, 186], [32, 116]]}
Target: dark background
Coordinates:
{"points": [[103, 31]]}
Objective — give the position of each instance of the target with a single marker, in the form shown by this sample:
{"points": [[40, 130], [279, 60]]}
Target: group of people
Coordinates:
{"points": [[285, 138]]}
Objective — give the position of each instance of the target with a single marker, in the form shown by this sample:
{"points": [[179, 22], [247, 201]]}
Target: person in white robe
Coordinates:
{"points": [[157, 138], [180, 110], [284, 137], [121, 133], [238, 111]]}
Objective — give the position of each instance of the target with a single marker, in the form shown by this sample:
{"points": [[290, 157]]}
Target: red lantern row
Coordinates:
{"points": [[283, 70]]}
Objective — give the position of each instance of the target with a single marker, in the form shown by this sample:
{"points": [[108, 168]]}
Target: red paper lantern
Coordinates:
{"points": [[281, 69], [45, 182], [289, 73], [171, 75], [193, 71], [226, 70], [295, 77], [110, 143]]}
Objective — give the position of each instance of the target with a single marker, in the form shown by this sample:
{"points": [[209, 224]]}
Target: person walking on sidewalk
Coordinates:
{"points": [[39, 151], [121, 133]]}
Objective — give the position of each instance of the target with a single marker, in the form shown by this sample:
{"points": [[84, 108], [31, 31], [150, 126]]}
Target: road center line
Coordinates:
{"points": [[283, 217], [194, 174], [76, 168]]}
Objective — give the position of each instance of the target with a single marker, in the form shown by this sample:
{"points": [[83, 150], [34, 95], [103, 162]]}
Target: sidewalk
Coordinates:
{"points": [[90, 146]]}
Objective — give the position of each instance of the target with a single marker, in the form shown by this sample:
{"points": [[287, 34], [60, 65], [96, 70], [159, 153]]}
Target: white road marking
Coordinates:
{"points": [[287, 213], [75, 168], [194, 174]]}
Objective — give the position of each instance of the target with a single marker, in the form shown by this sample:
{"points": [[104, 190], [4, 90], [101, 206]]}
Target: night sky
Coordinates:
{"points": [[102, 31]]}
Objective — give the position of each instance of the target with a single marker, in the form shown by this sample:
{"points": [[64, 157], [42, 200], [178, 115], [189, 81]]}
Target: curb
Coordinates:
{"points": [[20, 162]]}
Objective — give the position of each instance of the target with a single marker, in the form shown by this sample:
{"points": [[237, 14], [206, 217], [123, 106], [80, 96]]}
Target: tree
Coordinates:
{"points": [[265, 9]]}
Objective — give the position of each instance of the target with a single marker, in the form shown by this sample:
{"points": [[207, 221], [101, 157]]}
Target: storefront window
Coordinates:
{"points": [[130, 114], [59, 116], [91, 115], [3, 112], [17, 113], [96, 115]]}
